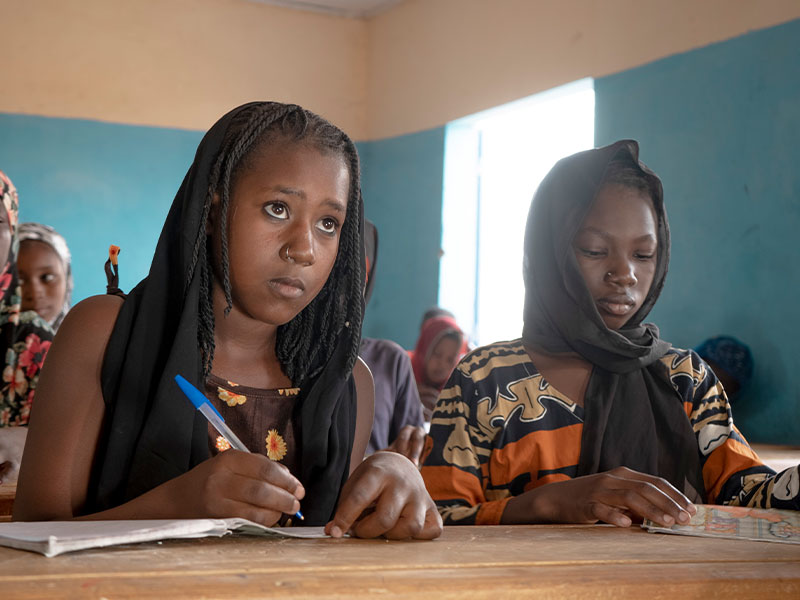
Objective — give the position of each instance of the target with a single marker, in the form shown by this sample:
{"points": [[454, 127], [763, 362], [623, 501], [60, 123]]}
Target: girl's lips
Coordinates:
{"points": [[617, 307], [288, 287]]}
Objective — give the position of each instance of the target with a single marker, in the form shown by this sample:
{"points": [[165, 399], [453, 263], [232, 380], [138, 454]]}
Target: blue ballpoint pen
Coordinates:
{"points": [[207, 409]]}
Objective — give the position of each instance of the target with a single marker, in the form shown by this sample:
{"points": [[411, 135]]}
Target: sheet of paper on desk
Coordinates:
{"points": [[738, 522], [52, 538]]}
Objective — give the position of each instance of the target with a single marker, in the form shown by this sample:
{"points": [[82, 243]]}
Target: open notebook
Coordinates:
{"points": [[56, 537], [738, 522]]}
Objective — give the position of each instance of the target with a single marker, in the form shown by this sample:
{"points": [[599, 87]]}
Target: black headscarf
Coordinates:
{"points": [[151, 432], [633, 415]]}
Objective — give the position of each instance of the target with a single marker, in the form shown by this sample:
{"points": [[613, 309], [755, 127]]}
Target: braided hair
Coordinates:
{"points": [[305, 344]]}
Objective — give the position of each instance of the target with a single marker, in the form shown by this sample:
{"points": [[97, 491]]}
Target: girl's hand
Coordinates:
{"points": [[410, 442], [386, 496], [237, 484], [619, 497], [12, 443]]}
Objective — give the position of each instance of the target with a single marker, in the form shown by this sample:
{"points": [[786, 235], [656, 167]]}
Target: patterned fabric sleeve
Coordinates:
{"points": [[456, 458], [732, 472]]}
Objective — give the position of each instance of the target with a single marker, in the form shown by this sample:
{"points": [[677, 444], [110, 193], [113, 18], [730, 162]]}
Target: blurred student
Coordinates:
{"points": [[45, 272], [440, 345], [731, 361], [398, 423], [24, 341]]}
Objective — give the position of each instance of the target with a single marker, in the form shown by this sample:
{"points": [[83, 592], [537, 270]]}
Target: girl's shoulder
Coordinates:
{"points": [[88, 324], [497, 360]]}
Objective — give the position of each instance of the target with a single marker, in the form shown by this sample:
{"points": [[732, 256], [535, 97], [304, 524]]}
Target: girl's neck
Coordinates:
{"points": [[244, 348], [568, 373]]}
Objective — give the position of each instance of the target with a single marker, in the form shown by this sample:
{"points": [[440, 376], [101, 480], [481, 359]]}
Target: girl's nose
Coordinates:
{"points": [[299, 246]]}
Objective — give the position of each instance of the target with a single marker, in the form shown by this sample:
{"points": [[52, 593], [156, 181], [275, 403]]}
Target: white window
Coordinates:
{"points": [[493, 163]]}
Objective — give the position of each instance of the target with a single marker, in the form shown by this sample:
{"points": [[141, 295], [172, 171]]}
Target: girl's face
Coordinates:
{"points": [[42, 278], [442, 360], [286, 213], [616, 250]]}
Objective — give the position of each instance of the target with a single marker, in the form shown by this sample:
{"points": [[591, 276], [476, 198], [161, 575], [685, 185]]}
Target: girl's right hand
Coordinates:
{"points": [[237, 484], [617, 497]]}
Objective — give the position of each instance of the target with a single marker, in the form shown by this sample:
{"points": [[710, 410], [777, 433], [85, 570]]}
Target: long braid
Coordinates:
{"points": [[306, 343]]}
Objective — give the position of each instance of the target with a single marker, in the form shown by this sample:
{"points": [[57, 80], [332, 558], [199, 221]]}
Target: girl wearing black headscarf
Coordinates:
{"points": [[590, 416], [255, 295]]}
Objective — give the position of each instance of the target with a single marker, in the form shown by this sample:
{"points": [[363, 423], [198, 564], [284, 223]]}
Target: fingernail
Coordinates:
{"points": [[625, 522], [336, 532], [667, 520], [692, 509], [683, 516]]}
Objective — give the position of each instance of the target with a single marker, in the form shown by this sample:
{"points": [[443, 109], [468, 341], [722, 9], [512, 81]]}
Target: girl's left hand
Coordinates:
{"points": [[385, 496]]}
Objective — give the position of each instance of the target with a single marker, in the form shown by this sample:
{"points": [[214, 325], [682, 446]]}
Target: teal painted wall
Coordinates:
{"points": [[97, 184], [721, 126], [402, 186]]}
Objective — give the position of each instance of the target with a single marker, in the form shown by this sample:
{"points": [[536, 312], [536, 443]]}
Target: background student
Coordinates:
{"points": [[45, 272], [255, 293], [398, 423], [591, 416], [24, 341]]}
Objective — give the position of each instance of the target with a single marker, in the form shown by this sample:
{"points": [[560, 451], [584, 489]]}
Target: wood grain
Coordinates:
{"points": [[546, 561]]}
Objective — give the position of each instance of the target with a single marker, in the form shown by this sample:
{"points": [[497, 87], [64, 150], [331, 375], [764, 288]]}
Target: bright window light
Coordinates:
{"points": [[494, 161]]}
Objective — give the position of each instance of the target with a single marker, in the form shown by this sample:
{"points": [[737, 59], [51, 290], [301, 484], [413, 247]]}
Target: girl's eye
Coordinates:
{"points": [[48, 278], [328, 225], [592, 253], [277, 210], [644, 256]]}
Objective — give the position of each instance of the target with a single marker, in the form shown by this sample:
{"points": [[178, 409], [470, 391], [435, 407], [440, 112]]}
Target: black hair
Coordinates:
{"points": [[305, 344]]}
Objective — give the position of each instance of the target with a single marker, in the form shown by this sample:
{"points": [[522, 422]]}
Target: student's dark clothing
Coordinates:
{"points": [[396, 398]]}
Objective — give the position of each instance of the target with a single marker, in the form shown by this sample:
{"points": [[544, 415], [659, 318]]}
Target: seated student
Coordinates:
{"points": [[398, 412], [731, 361], [440, 345], [591, 416], [45, 272], [255, 296], [24, 341]]}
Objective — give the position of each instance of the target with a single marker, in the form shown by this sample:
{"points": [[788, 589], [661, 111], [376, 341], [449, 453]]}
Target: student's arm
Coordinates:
{"points": [[65, 427], [365, 412], [732, 472]]}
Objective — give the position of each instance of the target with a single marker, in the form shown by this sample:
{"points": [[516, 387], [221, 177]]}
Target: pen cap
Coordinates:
{"points": [[194, 395]]}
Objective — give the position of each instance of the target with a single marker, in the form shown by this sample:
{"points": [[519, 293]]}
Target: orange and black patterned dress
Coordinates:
{"points": [[500, 429]]}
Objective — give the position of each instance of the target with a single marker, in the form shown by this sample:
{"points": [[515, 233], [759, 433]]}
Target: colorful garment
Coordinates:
{"points": [[24, 337], [499, 429], [47, 235]]}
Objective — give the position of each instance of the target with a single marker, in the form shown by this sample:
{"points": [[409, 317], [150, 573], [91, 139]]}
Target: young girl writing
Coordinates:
{"points": [[591, 416], [255, 295]]}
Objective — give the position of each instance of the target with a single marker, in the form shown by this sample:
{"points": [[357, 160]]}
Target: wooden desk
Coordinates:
{"points": [[7, 493], [546, 561]]}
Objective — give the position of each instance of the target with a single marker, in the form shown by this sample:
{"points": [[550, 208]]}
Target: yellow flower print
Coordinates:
{"points": [[289, 391], [230, 398], [222, 444], [276, 447]]}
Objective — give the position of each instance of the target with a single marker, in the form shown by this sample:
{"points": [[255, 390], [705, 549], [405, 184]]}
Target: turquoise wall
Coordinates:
{"points": [[402, 186], [97, 184], [721, 126]]}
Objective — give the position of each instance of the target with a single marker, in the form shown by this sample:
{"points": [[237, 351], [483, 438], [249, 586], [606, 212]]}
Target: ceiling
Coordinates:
{"points": [[354, 9]]}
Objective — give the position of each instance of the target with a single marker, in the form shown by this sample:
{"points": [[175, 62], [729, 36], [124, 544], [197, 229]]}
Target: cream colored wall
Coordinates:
{"points": [[177, 63], [182, 63], [432, 61]]}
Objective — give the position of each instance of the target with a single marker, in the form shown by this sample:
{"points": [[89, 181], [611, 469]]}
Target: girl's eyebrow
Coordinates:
{"points": [[335, 205], [605, 235]]}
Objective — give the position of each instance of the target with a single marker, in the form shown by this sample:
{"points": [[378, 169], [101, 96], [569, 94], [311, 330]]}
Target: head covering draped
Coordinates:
{"points": [[634, 417], [46, 234], [432, 331], [152, 433], [24, 336]]}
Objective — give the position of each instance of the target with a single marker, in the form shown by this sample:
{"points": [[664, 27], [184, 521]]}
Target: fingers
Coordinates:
{"points": [[410, 442], [261, 468], [662, 484], [358, 494]]}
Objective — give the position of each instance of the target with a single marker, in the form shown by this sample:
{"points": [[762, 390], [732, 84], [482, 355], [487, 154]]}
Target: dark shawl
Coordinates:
{"points": [[151, 432], [633, 415]]}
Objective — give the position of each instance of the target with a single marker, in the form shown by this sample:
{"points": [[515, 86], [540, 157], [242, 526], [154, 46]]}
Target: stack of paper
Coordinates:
{"points": [[760, 524]]}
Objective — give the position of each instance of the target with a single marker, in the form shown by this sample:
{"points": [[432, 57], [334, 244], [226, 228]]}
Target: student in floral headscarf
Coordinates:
{"points": [[24, 341]]}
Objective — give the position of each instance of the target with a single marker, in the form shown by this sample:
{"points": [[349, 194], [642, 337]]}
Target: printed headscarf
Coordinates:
{"points": [[633, 415], [46, 234], [151, 432], [24, 336]]}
